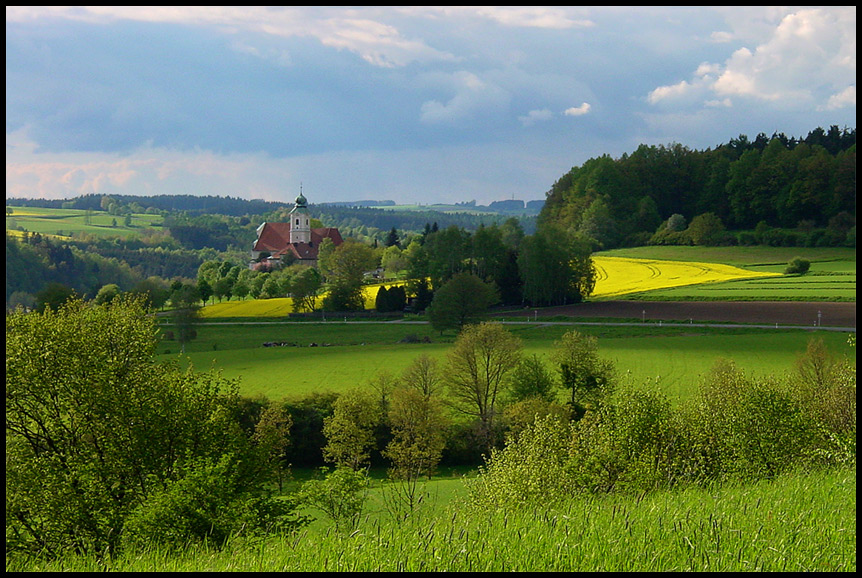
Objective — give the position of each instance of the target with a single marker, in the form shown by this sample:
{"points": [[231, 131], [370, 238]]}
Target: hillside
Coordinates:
{"points": [[674, 195]]}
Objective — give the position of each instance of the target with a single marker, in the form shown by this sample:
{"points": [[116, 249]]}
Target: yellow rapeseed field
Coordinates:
{"points": [[278, 307], [616, 276]]}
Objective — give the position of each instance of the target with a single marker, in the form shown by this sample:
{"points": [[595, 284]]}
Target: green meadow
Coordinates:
{"points": [[65, 222], [348, 354], [801, 523], [351, 354]]}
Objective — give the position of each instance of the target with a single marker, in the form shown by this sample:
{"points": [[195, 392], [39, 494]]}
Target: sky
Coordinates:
{"points": [[411, 104]]}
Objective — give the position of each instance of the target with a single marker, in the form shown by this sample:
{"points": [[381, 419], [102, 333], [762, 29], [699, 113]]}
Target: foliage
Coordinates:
{"points": [[207, 504], [344, 269], [555, 267], [532, 379], [477, 372], [341, 495], [304, 288], [462, 300], [582, 370], [797, 266], [529, 470], [350, 429], [95, 430], [780, 181], [390, 300], [738, 428], [419, 431]]}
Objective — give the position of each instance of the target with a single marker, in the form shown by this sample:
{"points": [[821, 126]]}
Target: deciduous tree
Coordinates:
{"points": [[477, 371], [462, 300]]}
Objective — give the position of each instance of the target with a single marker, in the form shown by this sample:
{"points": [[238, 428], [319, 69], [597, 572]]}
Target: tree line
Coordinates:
{"points": [[805, 185]]}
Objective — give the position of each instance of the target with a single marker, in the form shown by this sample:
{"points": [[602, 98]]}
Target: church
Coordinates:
{"points": [[280, 244]]}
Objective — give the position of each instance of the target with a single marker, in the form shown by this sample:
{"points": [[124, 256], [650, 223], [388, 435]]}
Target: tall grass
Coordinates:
{"points": [[801, 522]]}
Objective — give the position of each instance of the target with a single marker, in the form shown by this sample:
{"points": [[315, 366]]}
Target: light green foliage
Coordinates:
{"points": [[419, 427], [107, 293], [423, 375], [272, 438], [477, 372], [581, 370], [532, 469], [349, 430], [636, 440], [95, 429], [419, 431], [628, 445], [341, 495], [522, 414]]}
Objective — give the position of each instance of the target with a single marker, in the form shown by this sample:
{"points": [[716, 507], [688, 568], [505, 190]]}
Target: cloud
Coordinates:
{"points": [[807, 51], [578, 110], [844, 99], [797, 62], [535, 116], [409, 101], [473, 97]]}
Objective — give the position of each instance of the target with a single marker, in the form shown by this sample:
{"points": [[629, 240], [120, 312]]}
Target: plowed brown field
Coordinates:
{"points": [[827, 314]]}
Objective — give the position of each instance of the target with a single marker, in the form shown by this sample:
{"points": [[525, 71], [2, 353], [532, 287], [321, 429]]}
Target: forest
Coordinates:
{"points": [[804, 188]]}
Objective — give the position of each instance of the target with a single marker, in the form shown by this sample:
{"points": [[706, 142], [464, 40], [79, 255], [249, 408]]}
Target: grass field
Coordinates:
{"points": [[65, 222], [800, 523], [352, 353]]}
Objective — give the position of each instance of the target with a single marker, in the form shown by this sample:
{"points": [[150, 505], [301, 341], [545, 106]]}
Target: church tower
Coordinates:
{"points": [[300, 221]]}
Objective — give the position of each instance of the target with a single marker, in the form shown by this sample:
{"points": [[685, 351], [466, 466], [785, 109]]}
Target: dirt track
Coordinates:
{"points": [[827, 314]]}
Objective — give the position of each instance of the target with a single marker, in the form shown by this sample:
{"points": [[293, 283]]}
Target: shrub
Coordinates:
{"points": [[341, 495], [98, 434], [208, 504], [797, 266], [636, 441]]}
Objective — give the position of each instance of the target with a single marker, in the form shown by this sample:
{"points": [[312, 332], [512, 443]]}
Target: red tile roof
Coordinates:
{"points": [[274, 238]]}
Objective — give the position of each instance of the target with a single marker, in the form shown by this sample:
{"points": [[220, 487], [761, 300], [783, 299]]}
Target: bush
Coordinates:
{"points": [[797, 266], [99, 435], [208, 504], [636, 441]]}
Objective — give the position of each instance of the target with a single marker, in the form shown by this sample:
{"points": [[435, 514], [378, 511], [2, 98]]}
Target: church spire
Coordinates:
{"points": [[300, 221]]}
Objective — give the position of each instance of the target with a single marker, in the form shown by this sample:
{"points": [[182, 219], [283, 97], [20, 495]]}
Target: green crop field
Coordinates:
{"points": [[351, 354], [65, 222]]}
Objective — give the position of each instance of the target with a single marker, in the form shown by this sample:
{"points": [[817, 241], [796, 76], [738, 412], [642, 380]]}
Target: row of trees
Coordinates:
{"points": [[776, 181], [458, 273]]}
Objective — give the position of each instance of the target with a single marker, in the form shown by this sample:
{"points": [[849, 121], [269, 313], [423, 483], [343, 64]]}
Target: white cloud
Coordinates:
{"points": [[578, 110], [669, 92], [844, 99], [808, 50]]}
